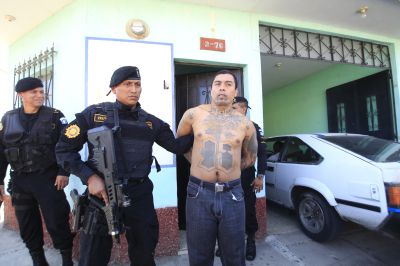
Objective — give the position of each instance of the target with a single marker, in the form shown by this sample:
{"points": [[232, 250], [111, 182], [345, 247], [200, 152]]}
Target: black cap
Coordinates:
{"points": [[124, 73], [27, 84], [240, 99]]}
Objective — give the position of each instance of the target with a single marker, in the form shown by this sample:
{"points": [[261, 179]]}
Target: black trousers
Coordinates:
{"points": [[140, 220], [247, 177], [35, 192]]}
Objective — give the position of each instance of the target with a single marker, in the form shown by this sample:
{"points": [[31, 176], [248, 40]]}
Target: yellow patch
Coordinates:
{"points": [[149, 124], [99, 118], [72, 131], [1, 126]]}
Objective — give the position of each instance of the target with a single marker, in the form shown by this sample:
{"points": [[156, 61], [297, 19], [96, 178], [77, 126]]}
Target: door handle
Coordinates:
{"points": [[270, 168]]}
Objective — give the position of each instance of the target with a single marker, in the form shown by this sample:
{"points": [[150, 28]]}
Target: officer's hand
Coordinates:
{"points": [[61, 182], [258, 183], [97, 188], [1, 192]]}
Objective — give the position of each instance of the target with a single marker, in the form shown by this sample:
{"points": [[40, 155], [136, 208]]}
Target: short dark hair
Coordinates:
{"points": [[225, 71]]}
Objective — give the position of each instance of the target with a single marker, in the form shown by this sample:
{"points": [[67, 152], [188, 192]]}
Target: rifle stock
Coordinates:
{"points": [[77, 210]]}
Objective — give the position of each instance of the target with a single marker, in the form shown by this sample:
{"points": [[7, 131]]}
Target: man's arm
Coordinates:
{"points": [[249, 146], [258, 182], [71, 141], [3, 161], [60, 122], [185, 127]]}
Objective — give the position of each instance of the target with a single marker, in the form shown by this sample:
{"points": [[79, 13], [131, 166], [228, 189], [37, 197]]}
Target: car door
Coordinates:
{"points": [[298, 160], [275, 147]]}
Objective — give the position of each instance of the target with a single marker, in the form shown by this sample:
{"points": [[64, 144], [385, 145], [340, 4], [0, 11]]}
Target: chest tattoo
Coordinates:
{"points": [[217, 149]]}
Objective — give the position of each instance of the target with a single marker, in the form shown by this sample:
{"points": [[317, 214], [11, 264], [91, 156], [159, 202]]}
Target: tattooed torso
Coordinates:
{"points": [[217, 147]]}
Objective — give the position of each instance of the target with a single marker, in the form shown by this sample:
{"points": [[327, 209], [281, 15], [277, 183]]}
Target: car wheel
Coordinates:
{"points": [[318, 220]]}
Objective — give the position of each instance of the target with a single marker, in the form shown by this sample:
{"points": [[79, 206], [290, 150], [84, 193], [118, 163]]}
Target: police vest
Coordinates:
{"points": [[133, 142], [33, 151]]}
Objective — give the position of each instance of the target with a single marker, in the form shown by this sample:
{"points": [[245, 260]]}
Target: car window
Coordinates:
{"points": [[378, 150], [274, 148], [299, 152]]}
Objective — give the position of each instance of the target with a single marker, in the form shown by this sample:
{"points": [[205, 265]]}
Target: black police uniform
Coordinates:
{"points": [[138, 132], [27, 143], [247, 177]]}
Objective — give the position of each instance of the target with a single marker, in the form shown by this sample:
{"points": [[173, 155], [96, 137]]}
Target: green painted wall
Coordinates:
{"points": [[301, 106]]}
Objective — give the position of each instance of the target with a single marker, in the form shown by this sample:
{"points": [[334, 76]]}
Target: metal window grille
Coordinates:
{"points": [[341, 117], [372, 112], [205, 93], [40, 66], [302, 44]]}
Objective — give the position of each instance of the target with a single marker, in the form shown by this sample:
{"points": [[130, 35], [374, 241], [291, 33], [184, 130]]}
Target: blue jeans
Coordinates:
{"points": [[212, 215]]}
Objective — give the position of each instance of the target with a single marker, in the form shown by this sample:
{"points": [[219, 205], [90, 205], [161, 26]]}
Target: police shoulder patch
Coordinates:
{"points": [[72, 131], [149, 124], [63, 121], [99, 118]]}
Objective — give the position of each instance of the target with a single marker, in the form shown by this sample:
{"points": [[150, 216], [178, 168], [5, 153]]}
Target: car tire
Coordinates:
{"points": [[318, 220]]}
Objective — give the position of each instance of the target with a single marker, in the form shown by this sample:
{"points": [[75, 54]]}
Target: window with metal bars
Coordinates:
{"points": [[39, 66]]}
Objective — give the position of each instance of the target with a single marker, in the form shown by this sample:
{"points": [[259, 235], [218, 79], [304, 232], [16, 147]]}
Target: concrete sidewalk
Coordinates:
{"points": [[286, 249], [14, 253], [285, 245]]}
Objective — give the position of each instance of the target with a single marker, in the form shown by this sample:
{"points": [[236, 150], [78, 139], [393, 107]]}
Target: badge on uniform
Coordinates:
{"points": [[72, 131], [149, 124], [1, 126], [63, 121], [99, 118]]}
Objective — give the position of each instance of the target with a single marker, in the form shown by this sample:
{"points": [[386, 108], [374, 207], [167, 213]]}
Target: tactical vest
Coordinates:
{"points": [[33, 151], [133, 143]]}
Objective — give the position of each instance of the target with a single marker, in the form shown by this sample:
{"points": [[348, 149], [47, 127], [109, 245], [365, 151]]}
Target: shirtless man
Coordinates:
{"points": [[225, 142]]}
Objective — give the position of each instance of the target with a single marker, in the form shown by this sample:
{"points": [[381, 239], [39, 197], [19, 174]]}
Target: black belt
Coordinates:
{"points": [[216, 187], [136, 181]]}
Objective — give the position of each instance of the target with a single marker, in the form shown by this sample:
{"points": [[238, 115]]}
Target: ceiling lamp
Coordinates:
{"points": [[137, 29], [10, 18], [363, 11]]}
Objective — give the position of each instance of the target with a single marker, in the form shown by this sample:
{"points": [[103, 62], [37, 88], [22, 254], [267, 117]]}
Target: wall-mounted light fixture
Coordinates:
{"points": [[363, 11], [137, 29]]}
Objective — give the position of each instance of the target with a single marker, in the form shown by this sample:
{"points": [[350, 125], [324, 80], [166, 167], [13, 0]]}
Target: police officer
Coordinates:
{"points": [[134, 141], [250, 183], [28, 136]]}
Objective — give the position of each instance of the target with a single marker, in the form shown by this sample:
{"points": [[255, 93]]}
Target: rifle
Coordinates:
{"points": [[102, 139], [77, 210]]}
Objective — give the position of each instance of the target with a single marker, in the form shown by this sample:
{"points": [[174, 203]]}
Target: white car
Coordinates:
{"points": [[328, 178]]}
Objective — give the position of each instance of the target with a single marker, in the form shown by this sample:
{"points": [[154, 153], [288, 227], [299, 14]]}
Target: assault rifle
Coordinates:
{"points": [[102, 139]]}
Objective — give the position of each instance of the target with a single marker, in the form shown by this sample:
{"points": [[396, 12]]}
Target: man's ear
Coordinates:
{"points": [[236, 93], [113, 90]]}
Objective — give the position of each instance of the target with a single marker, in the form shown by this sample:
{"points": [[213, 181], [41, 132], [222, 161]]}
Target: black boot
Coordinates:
{"points": [[38, 258], [66, 255], [250, 248]]}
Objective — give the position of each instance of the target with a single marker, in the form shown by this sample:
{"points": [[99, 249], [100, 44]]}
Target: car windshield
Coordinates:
{"points": [[378, 150]]}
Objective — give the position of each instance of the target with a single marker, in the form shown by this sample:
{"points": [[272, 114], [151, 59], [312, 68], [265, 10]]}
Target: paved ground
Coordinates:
{"points": [[285, 245]]}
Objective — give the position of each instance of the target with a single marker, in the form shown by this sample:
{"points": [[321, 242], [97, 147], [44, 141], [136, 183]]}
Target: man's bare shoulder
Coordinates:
{"points": [[199, 110], [241, 117], [204, 107]]}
